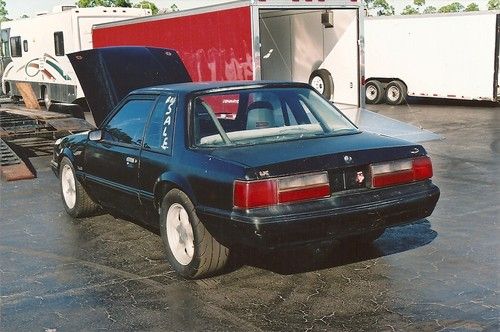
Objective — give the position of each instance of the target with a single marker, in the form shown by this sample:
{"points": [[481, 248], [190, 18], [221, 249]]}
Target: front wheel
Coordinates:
{"points": [[76, 201], [321, 80], [190, 248]]}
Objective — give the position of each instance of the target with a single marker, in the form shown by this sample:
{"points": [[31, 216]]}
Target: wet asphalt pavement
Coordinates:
{"points": [[106, 273]]}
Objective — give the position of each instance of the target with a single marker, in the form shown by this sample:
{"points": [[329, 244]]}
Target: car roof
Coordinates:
{"points": [[206, 86]]}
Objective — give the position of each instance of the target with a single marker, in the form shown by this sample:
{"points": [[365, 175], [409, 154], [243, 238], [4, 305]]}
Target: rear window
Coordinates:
{"points": [[255, 116]]}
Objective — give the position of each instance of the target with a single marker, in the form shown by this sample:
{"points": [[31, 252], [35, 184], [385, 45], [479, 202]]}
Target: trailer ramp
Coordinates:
{"points": [[12, 168], [380, 124]]}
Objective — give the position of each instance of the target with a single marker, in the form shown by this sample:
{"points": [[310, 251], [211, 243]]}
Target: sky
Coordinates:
{"points": [[17, 8]]}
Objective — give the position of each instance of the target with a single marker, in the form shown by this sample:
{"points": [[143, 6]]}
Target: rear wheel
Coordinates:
{"points": [[374, 92], [321, 80], [190, 248], [76, 201], [395, 93]]}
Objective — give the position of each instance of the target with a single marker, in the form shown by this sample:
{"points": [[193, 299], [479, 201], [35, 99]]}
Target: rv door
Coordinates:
{"points": [[4, 50]]}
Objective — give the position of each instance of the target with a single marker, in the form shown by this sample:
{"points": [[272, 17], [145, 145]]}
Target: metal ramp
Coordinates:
{"points": [[7, 156], [376, 123], [380, 124]]}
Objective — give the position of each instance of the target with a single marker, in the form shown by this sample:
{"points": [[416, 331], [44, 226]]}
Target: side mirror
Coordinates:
{"points": [[95, 135]]}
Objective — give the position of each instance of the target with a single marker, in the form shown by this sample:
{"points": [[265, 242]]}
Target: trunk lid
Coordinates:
{"points": [[342, 156]]}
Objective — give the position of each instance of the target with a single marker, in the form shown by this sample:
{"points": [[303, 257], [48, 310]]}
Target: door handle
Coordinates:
{"points": [[131, 160]]}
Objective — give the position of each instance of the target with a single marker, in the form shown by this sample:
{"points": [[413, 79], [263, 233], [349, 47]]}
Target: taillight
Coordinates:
{"points": [[400, 171], [252, 194]]}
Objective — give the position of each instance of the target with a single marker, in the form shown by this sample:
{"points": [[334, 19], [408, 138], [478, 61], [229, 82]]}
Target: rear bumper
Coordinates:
{"points": [[337, 217]]}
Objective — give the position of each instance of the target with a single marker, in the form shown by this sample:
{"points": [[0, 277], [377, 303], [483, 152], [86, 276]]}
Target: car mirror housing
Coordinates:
{"points": [[95, 135]]}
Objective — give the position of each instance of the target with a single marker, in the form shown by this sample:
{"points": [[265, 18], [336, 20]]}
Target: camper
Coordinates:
{"points": [[452, 56], [313, 41], [34, 50]]}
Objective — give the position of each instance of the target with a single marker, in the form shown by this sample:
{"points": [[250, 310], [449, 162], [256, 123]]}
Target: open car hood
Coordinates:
{"points": [[108, 74]]}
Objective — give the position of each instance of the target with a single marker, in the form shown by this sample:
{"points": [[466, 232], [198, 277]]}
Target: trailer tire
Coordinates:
{"points": [[321, 80], [374, 92], [395, 93]]}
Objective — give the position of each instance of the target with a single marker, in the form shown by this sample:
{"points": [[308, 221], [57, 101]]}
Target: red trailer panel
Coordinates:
{"points": [[222, 53]]}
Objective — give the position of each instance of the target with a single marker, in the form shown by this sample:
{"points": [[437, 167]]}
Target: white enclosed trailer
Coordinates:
{"points": [[34, 49], [451, 56]]}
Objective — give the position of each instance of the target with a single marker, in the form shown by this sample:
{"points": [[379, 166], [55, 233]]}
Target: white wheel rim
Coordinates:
{"points": [[68, 186], [318, 84], [393, 93], [371, 92], [180, 234]]}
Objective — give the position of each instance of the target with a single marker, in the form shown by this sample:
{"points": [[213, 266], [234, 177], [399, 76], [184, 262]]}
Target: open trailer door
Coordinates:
{"points": [[316, 45]]}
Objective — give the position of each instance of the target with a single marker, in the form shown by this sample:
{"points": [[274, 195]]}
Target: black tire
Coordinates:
{"points": [[208, 257], [83, 206], [395, 93], [374, 92], [321, 80]]}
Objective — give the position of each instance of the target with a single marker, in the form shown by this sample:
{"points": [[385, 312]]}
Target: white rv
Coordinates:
{"points": [[452, 56], [34, 49]]}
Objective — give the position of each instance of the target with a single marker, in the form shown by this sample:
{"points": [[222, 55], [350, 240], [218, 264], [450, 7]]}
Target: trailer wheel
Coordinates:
{"points": [[321, 80], [395, 93], [374, 92]]}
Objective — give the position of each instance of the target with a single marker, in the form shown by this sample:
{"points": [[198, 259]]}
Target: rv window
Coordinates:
{"points": [[59, 43], [25, 45], [15, 46]]}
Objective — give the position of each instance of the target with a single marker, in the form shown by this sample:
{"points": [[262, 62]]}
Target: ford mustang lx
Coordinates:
{"points": [[254, 164]]}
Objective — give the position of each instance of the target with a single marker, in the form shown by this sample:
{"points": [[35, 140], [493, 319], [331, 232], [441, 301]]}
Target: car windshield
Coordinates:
{"points": [[255, 116]]}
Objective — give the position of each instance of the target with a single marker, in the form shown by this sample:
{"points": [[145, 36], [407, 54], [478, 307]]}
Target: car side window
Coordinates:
{"points": [[160, 129], [127, 125]]}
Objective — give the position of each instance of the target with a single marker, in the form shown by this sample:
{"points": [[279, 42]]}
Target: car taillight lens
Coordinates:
{"points": [[401, 172], [252, 194]]}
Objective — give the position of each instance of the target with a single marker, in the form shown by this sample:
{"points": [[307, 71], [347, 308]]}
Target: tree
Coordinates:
{"points": [[380, 6], [452, 8], [472, 7], [493, 4], [3, 12], [419, 3], [148, 5], [430, 10], [409, 10], [105, 3]]}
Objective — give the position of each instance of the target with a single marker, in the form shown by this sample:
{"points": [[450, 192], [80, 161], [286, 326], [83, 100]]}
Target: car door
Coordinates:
{"points": [[112, 163], [156, 155]]}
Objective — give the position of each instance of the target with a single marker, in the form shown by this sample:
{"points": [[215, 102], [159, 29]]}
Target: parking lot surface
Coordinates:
{"points": [[107, 273]]}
